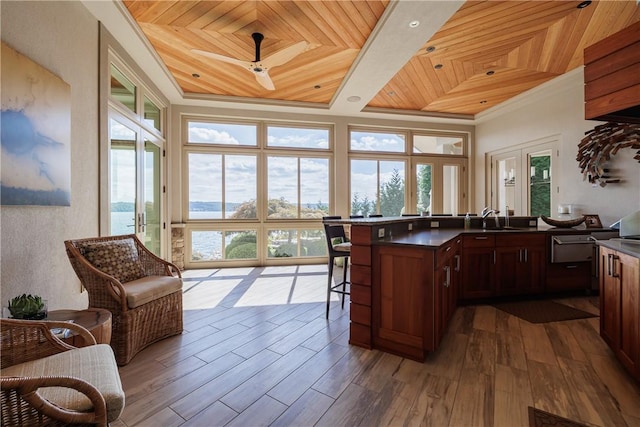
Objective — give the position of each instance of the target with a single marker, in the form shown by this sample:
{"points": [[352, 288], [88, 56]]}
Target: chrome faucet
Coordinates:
{"points": [[485, 213]]}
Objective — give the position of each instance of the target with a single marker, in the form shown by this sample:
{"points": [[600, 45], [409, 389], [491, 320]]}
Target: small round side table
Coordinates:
{"points": [[95, 320]]}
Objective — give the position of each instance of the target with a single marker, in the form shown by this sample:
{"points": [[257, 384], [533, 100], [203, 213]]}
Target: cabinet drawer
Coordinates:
{"points": [[568, 276], [479, 241], [445, 250], [521, 240]]}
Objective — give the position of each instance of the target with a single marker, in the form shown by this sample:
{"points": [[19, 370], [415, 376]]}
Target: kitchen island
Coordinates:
{"points": [[408, 274]]}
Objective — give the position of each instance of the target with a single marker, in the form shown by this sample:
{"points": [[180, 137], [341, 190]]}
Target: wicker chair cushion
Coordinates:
{"points": [[149, 288], [94, 364], [342, 247], [117, 258]]}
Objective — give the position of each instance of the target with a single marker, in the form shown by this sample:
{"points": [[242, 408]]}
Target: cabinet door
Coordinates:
{"points": [[609, 299], [508, 270], [478, 266], [447, 260], [532, 270], [625, 270], [403, 300]]}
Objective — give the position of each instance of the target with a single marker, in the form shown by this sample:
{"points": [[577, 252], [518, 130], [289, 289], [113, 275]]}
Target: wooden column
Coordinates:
{"points": [[360, 328]]}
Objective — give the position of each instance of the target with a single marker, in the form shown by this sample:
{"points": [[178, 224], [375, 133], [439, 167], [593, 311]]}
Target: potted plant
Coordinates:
{"points": [[29, 306]]}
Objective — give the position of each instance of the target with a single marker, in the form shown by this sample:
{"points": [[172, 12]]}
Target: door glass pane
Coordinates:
{"points": [[506, 184], [123, 179], [222, 133], [392, 188], [122, 89], [377, 141], [292, 137], [433, 144], [364, 187], [424, 175], [282, 180], [205, 186], [151, 113], [152, 197], [450, 189], [540, 184]]}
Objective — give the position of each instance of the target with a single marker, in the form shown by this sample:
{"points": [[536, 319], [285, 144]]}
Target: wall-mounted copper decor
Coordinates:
{"points": [[602, 142]]}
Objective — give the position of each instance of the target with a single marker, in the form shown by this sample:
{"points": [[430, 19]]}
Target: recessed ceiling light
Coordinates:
{"points": [[317, 87], [354, 98], [438, 66], [584, 4], [483, 102], [414, 24], [490, 73], [430, 48], [196, 75], [391, 93]]}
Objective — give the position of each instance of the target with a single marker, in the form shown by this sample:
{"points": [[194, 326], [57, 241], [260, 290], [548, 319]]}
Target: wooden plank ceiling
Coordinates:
{"points": [[488, 51]]}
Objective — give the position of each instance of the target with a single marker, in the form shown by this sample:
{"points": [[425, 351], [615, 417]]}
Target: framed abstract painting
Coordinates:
{"points": [[35, 135]]}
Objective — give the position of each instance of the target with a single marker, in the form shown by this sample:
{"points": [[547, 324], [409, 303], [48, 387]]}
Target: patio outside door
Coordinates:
{"points": [[135, 184]]}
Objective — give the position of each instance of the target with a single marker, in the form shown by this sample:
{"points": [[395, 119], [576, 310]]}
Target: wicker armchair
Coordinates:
{"points": [[142, 291], [45, 381]]}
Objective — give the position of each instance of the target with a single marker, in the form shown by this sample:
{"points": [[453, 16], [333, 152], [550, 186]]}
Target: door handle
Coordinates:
{"points": [[614, 258], [608, 264], [457, 257], [526, 255], [447, 279]]}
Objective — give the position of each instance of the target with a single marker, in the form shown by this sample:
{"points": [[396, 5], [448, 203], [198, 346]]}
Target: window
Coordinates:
{"points": [[437, 180], [377, 186], [298, 187], [377, 141], [222, 186], [289, 137], [222, 133], [122, 89], [275, 178]]}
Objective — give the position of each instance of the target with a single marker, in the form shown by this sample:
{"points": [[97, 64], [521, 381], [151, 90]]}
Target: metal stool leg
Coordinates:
{"points": [[329, 283], [344, 278]]}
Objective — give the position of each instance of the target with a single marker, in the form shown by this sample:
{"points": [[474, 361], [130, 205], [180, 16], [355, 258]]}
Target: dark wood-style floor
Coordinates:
{"points": [[257, 350]]}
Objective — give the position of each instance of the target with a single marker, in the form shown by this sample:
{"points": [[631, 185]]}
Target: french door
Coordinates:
{"points": [[135, 200], [439, 185], [522, 179]]}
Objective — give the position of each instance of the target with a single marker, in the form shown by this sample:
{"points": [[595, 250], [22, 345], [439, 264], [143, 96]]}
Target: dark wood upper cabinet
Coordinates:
{"points": [[612, 77]]}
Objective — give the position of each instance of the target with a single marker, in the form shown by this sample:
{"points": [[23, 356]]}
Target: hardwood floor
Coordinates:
{"points": [[257, 350]]}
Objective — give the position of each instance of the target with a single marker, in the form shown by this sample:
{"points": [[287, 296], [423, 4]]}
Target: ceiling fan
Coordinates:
{"points": [[260, 68]]}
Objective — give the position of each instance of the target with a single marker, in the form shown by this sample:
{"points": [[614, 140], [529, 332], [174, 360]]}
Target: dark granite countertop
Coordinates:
{"points": [[626, 246]]}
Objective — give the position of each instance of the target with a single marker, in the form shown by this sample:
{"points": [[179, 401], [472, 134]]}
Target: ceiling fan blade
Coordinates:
{"points": [[265, 81], [244, 64], [285, 55]]}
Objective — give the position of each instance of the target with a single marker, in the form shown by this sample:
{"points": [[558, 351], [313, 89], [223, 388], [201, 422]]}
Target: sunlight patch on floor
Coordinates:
{"points": [[207, 293]]}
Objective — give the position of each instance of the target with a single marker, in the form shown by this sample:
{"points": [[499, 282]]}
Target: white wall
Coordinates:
{"points": [[557, 108], [62, 37]]}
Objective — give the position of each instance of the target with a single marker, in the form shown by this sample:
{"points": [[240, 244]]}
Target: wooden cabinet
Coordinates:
{"points": [[520, 262], [620, 306], [446, 284], [478, 266], [414, 296], [403, 300]]}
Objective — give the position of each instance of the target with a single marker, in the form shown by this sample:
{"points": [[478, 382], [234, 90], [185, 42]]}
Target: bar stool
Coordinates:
{"points": [[338, 247]]}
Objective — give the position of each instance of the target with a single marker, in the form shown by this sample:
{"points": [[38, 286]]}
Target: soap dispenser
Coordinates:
{"points": [[467, 221]]}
